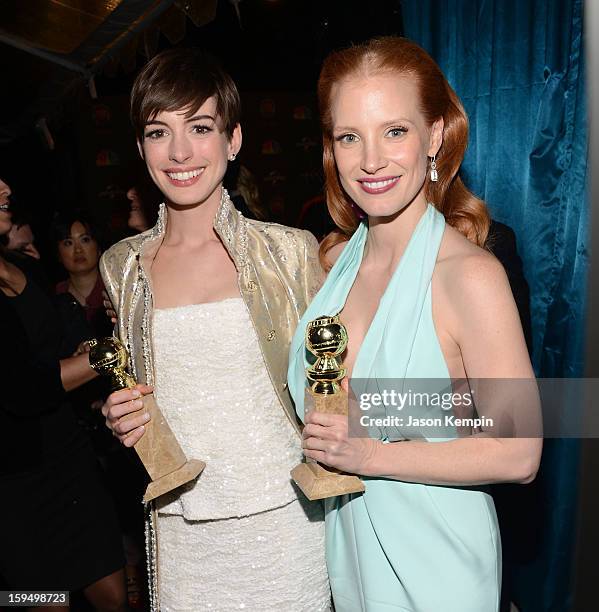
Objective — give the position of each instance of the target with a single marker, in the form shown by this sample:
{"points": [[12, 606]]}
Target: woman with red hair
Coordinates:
{"points": [[421, 301]]}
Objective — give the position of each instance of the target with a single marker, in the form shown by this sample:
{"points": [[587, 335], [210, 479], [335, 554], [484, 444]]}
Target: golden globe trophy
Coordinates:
{"points": [[326, 338], [158, 448]]}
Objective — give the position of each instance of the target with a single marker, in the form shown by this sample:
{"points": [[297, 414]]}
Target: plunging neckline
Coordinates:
{"points": [[384, 296], [402, 315]]}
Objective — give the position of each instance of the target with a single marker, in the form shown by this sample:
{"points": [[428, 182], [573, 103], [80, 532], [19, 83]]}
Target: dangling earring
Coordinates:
{"points": [[232, 156], [434, 174]]}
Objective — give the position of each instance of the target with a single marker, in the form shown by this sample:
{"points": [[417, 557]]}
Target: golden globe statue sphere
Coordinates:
{"points": [[106, 354], [326, 336], [108, 357]]}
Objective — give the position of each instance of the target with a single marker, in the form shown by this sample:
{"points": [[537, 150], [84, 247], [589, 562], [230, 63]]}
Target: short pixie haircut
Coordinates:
{"points": [[183, 79]]}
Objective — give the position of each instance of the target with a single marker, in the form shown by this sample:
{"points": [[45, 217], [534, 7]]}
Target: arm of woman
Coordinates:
{"points": [[33, 386], [482, 319], [76, 371], [123, 402]]}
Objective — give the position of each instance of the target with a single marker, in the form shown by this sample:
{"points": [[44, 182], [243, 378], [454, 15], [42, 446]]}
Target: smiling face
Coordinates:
{"points": [[79, 252], [381, 142], [187, 158], [5, 216]]}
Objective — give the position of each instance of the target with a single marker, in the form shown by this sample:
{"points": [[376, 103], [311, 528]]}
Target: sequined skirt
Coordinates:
{"points": [[273, 560]]}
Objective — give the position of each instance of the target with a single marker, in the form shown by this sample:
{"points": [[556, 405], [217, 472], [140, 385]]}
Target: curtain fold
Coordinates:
{"points": [[519, 69]]}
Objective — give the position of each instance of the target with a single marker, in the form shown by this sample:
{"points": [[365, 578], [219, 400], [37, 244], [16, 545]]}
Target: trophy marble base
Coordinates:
{"points": [[187, 472], [316, 482], [158, 449]]}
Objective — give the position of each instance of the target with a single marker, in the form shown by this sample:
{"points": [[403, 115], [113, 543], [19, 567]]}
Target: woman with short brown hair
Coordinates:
{"points": [[207, 301]]}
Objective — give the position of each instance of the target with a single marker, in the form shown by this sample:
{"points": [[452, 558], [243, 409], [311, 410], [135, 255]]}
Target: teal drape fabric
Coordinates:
{"points": [[519, 69]]}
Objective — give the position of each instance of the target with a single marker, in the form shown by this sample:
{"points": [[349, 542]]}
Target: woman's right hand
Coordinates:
{"points": [[124, 414]]}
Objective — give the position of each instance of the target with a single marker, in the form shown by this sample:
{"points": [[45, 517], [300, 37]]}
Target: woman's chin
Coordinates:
{"points": [[82, 269]]}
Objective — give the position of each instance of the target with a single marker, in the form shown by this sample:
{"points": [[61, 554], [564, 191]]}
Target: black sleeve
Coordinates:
{"points": [[502, 243], [29, 386], [73, 323]]}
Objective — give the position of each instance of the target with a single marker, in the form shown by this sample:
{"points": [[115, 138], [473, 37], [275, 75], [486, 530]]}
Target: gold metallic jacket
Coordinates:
{"points": [[278, 274]]}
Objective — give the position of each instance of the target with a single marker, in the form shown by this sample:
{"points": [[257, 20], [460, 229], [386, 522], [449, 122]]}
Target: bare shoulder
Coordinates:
{"points": [[463, 266], [470, 286], [474, 307]]}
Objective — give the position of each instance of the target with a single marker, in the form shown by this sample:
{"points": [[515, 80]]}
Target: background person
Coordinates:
{"points": [[144, 199], [59, 528], [78, 251], [21, 238], [79, 301]]}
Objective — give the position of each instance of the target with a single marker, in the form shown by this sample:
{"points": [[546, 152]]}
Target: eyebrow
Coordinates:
{"points": [[194, 118], [343, 128], [200, 117], [71, 236]]}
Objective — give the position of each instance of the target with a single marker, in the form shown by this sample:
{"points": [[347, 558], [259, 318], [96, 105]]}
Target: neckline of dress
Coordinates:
{"points": [[206, 304], [426, 216]]}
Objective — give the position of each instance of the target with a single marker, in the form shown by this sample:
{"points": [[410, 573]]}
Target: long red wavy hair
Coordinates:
{"points": [[460, 207]]}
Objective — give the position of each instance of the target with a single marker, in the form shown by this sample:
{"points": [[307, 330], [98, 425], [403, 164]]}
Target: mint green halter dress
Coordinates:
{"points": [[399, 545]]}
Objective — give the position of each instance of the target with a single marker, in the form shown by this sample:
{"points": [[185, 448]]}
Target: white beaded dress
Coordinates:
{"points": [[237, 538]]}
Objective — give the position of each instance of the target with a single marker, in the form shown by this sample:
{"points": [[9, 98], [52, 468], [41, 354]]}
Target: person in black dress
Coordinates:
{"points": [[58, 527], [77, 242]]}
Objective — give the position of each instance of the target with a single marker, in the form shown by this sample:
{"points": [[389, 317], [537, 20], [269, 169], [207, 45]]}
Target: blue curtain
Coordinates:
{"points": [[519, 69]]}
